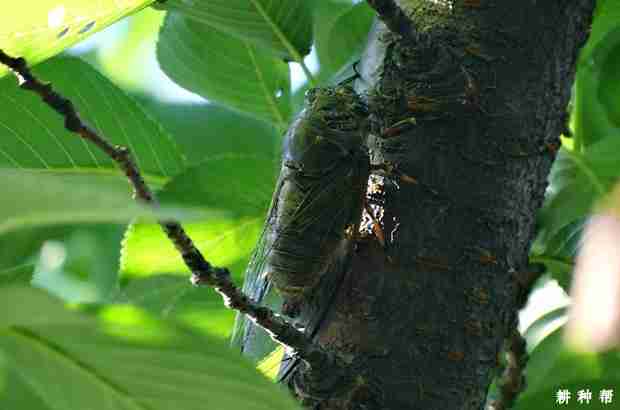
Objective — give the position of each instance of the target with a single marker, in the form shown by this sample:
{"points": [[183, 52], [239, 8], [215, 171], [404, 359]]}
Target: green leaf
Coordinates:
{"points": [[282, 26], [82, 265], [17, 275], [270, 365], [578, 180], [553, 365], [341, 29], [46, 27], [32, 199], [546, 399], [126, 361], [93, 254], [242, 185], [224, 242], [558, 252], [224, 69], [33, 136], [86, 255], [173, 297], [227, 131], [22, 306], [606, 18], [570, 196], [596, 102], [19, 251]]}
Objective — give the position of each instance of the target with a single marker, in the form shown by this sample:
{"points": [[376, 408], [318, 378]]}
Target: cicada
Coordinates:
{"points": [[318, 197]]}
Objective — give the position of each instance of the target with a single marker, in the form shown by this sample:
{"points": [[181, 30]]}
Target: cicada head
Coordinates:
{"points": [[328, 129]]}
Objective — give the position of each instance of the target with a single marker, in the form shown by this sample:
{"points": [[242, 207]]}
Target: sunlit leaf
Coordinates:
{"points": [[124, 361], [174, 297], [37, 199], [224, 242], [46, 27], [270, 365], [33, 136]]}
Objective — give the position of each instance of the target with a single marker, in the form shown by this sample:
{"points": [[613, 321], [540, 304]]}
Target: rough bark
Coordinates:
{"points": [[422, 320]]}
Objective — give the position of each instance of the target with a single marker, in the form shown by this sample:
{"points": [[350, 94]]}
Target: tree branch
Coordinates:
{"points": [[394, 17], [203, 273]]}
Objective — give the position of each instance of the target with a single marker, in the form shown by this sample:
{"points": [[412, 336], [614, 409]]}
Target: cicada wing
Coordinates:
{"points": [[253, 341]]}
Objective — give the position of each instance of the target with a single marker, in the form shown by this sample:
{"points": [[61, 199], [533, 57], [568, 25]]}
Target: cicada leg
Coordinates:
{"points": [[392, 171]]}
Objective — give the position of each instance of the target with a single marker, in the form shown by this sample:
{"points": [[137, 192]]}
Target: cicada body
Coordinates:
{"points": [[319, 194]]}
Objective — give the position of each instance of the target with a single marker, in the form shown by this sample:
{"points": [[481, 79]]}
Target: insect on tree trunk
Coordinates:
{"points": [[469, 108]]}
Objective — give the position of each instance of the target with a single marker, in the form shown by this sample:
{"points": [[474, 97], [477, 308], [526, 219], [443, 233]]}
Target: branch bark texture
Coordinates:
{"points": [[424, 319]]}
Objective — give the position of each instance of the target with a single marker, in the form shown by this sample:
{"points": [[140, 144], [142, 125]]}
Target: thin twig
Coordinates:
{"points": [[394, 17], [512, 381], [203, 273]]}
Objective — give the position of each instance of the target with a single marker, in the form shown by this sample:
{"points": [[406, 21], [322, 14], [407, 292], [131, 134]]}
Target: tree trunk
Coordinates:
{"points": [[488, 82]]}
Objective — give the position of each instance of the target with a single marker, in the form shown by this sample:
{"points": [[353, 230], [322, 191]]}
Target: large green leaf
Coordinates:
{"points": [[224, 242], [341, 29], [205, 131], [596, 113], [240, 184], [224, 69], [126, 361], [559, 251], [579, 180], [173, 297], [553, 366], [282, 26], [22, 306], [33, 136], [30, 198], [46, 27], [17, 275]]}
